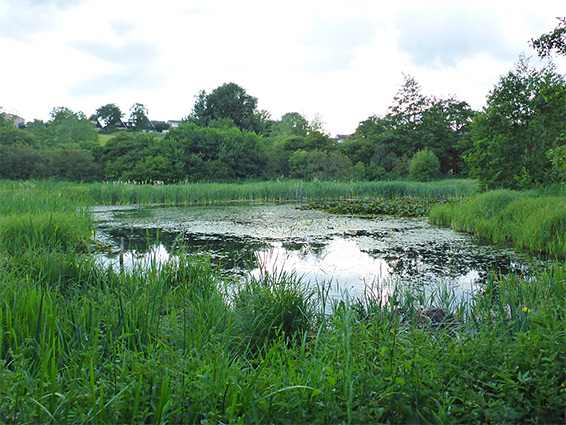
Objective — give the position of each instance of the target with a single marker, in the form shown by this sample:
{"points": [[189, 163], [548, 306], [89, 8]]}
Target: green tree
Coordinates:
{"points": [[18, 161], [414, 122], [138, 117], [111, 115], [424, 166], [553, 41], [523, 119], [228, 101], [67, 127], [408, 105], [292, 124]]}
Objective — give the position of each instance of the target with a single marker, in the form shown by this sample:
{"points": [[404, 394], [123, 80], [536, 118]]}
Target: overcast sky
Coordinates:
{"points": [[343, 60]]}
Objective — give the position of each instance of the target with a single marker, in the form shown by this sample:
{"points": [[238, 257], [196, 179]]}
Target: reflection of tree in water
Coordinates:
{"points": [[446, 260], [227, 251], [305, 248]]}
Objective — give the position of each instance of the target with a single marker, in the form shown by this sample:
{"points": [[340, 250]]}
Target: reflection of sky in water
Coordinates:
{"points": [[341, 262], [351, 253]]}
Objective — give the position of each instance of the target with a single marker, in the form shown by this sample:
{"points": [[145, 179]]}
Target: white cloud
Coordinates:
{"points": [[442, 37], [341, 59]]}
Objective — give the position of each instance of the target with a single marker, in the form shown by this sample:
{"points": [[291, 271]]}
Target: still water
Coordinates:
{"points": [[349, 253]]}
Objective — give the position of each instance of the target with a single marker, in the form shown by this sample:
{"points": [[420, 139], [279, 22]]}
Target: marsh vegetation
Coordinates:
{"points": [[180, 341]]}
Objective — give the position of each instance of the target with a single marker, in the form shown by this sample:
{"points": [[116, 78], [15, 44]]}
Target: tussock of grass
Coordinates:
{"points": [[525, 220]]}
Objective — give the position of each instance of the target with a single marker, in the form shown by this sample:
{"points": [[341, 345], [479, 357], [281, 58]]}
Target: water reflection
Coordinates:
{"points": [[352, 253]]}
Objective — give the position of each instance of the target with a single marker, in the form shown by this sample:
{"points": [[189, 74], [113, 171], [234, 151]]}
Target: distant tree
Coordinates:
{"points": [[413, 122], [523, 120], [110, 114], [38, 128], [161, 126], [409, 105], [228, 101], [553, 41], [18, 161], [138, 117], [292, 124], [67, 126], [424, 166], [10, 135]]}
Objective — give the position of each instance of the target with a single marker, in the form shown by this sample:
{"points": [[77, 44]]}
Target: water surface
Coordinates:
{"points": [[351, 253]]}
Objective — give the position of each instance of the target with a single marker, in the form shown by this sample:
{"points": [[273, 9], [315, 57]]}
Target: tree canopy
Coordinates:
{"points": [[228, 101], [110, 114], [138, 117], [554, 41], [524, 119]]}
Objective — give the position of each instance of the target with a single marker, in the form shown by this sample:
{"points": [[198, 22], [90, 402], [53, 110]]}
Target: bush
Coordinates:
{"points": [[424, 166]]}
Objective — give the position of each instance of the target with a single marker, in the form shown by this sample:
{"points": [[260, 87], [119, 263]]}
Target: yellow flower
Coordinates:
{"points": [[526, 310]]}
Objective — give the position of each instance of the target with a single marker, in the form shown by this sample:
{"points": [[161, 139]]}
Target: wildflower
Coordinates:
{"points": [[526, 310]]}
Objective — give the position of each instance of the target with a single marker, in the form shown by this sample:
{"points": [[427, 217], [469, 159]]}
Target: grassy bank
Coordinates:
{"points": [[179, 343], [530, 221]]}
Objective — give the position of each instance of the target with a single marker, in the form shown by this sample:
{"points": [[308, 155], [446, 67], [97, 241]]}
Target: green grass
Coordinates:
{"points": [[181, 343], [528, 221]]}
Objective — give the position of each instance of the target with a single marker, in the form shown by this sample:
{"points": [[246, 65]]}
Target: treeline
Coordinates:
{"points": [[517, 141]]}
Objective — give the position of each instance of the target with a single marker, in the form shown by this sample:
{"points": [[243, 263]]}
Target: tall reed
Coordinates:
{"points": [[188, 193]]}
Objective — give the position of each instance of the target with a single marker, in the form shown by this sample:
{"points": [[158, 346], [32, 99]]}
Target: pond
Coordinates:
{"points": [[347, 253]]}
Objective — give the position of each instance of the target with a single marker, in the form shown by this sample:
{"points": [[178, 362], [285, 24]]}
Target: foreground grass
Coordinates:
{"points": [[530, 221], [179, 343], [165, 344]]}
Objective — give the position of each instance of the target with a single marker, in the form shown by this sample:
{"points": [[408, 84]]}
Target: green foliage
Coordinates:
{"points": [[167, 342], [414, 122], [111, 115], [557, 157], [67, 127], [318, 164], [272, 306], [523, 119], [229, 101], [553, 41], [138, 117], [424, 166], [403, 207]]}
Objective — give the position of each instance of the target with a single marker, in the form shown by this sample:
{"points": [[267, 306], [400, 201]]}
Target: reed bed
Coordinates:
{"points": [[528, 221], [113, 193]]}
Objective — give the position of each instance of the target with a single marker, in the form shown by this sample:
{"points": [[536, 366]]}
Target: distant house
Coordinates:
{"points": [[340, 138], [94, 120], [16, 120], [174, 123]]}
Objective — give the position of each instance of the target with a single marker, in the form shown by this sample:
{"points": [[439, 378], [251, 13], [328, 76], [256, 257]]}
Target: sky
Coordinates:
{"points": [[338, 61]]}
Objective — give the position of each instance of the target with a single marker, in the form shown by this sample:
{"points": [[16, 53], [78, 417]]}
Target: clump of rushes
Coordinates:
{"points": [[401, 207], [44, 231], [270, 306]]}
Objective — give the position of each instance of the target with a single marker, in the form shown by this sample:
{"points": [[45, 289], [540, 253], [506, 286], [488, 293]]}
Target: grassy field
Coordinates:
{"points": [[180, 343]]}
